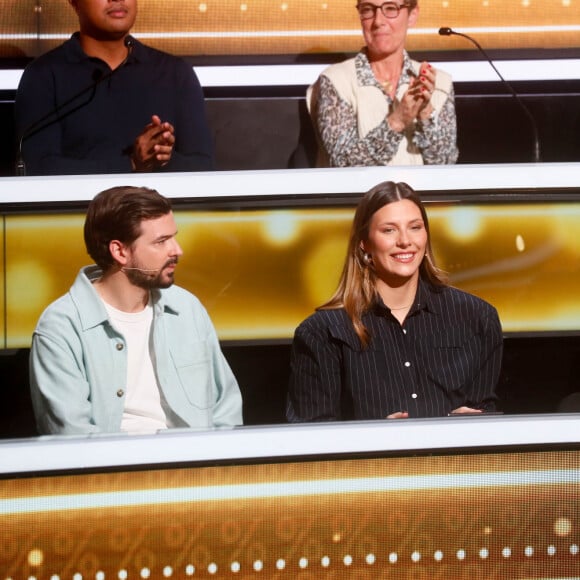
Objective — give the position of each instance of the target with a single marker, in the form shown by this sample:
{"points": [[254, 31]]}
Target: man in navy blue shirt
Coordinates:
{"points": [[103, 102]]}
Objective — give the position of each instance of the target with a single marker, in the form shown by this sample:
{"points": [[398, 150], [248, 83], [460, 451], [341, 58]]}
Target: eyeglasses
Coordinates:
{"points": [[367, 11]]}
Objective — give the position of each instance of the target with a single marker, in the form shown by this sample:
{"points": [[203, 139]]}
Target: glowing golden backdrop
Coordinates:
{"points": [[260, 272], [238, 27]]}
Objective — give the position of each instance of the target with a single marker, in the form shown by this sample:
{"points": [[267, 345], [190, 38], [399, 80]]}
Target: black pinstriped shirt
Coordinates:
{"points": [[446, 354]]}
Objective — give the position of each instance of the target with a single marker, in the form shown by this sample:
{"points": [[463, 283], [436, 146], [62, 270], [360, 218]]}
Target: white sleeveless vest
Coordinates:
{"points": [[371, 106]]}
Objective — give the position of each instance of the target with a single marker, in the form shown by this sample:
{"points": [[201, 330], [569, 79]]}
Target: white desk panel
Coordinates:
{"points": [[223, 184], [305, 74], [261, 444]]}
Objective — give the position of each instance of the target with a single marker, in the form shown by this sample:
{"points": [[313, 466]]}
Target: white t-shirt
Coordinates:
{"points": [[144, 405]]}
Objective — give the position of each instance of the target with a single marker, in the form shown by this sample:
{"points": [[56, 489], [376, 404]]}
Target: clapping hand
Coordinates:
{"points": [[154, 146], [416, 102]]}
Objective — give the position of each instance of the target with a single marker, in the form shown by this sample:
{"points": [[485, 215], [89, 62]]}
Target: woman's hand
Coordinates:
{"points": [[425, 85], [461, 410], [416, 102], [398, 415]]}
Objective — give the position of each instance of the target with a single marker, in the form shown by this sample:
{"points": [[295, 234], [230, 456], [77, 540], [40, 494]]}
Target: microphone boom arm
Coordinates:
{"points": [[448, 32], [52, 116]]}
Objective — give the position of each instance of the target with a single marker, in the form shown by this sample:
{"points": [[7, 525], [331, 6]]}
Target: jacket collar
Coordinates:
{"points": [[90, 307]]}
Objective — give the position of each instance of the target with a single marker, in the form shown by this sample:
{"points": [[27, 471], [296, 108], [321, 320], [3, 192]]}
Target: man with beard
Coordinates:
{"points": [[124, 349]]}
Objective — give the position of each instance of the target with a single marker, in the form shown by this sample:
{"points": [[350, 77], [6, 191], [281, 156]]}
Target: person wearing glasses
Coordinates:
{"points": [[395, 341], [381, 107]]}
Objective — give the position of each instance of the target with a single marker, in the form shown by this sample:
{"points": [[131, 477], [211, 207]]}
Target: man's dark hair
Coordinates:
{"points": [[116, 214]]}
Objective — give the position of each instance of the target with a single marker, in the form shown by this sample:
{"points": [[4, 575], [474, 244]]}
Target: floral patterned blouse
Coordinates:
{"points": [[337, 125]]}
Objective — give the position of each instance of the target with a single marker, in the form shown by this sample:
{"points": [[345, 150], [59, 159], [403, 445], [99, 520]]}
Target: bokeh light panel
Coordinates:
{"points": [[260, 272], [297, 27]]}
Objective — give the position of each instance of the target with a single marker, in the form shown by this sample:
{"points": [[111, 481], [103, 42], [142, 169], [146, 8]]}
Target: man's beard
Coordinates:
{"points": [[149, 279]]}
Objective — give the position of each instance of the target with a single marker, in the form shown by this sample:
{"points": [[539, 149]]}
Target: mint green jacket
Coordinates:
{"points": [[78, 363]]}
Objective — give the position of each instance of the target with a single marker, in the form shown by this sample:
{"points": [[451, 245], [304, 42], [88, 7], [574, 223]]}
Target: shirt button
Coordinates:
{"points": [[120, 393], [404, 331], [119, 346], [407, 364], [414, 396]]}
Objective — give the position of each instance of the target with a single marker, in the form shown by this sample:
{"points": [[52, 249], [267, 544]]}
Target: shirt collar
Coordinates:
{"points": [[365, 76], [425, 299], [162, 301], [75, 54], [73, 51], [91, 308]]}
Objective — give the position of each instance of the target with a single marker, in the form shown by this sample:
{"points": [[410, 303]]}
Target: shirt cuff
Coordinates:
{"points": [[424, 131]]}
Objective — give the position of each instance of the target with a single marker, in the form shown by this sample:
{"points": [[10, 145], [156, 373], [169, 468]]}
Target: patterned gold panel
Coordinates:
{"points": [[489, 516]]}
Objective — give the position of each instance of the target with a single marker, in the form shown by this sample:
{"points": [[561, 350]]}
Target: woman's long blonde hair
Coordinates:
{"points": [[356, 289]]}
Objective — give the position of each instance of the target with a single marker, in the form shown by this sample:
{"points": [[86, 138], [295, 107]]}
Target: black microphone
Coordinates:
{"points": [[46, 120], [446, 31]]}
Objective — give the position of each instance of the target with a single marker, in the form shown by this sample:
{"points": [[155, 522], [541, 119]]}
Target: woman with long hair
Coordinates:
{"points": [[395, 340]]}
